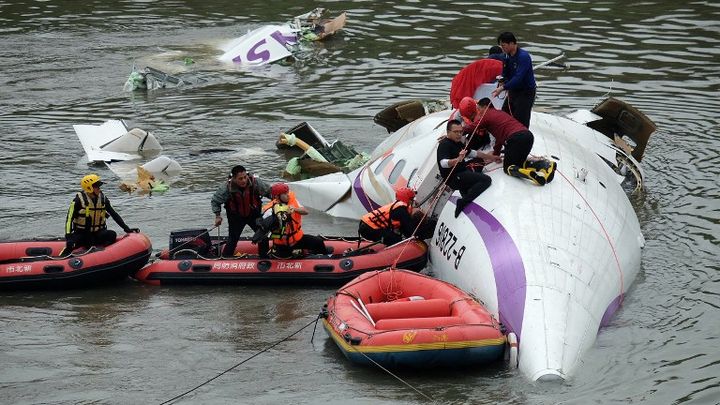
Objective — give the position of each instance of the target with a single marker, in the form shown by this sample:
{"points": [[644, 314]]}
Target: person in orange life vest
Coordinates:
{"points": [[241, 194], [470, 77], [451, 154], [517, 142], [287, 233], [384, 223], [85, 224]]}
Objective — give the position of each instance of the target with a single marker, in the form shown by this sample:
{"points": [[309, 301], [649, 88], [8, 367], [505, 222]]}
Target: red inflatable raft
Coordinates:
{"points": [[345, 262], [34, 263], [398, 318]]}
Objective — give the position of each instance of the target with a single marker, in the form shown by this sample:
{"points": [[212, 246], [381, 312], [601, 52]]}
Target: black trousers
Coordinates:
{"points": [[470, 184], [236, 224], [519, 104], [312, 243], [517, 149], [87, 239], [387, 236]]}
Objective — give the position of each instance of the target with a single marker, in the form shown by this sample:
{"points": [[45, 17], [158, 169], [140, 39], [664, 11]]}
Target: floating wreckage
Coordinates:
{"points": [[271, 43], [152, 79], [119, 147], [319, 157]]}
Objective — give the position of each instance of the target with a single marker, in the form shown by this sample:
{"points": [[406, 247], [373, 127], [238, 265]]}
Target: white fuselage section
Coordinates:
{"points": [[551, 262]]}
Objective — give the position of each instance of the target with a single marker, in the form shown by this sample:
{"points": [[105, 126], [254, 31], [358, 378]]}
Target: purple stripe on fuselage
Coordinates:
{"points": [[507, 265], [366, 202], [610, 311]]}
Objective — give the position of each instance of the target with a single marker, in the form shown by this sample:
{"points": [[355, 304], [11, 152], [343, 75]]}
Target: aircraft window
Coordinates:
{"points": [[382, 164], [411, 176], [396, 171]]}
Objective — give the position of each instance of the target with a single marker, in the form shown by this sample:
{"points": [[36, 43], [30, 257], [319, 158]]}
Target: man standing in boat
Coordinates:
{"points": [[388, 222], [86, 219], [519, 79], [451, 153], [286, 231], [241, 195]]}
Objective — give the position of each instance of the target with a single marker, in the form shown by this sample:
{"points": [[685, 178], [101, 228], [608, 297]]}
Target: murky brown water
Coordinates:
{"points": [[64, 63]]}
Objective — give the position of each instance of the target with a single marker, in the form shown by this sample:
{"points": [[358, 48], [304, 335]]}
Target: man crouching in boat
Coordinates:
{"points": [[241, 195], [387, 222], [286, 232], [85, 225]]}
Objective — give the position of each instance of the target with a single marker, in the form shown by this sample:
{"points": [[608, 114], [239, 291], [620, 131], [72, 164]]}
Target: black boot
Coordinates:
{"points": [[459, 206]]}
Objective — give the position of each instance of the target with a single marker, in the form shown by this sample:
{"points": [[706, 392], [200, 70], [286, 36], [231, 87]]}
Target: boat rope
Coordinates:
{"points": [[314, 321], [407, 384], [607, 237]]}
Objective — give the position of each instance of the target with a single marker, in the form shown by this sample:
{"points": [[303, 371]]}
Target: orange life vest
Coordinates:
{"points": [[380, 218], [289, 229]]}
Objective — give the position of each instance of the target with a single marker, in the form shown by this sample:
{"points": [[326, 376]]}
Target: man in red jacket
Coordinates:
{"points": [[516, 140]]}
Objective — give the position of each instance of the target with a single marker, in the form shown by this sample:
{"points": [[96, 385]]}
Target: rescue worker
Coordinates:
{"points": [[241, 194], [451, 153], [516, 141], [85, 225], [384, 223], [286, 231], [518, 79]]}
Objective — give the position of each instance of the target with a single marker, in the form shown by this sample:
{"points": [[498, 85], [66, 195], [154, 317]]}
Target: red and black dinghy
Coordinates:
{"points": [[397, 318], [34, 263], [346, 259]]}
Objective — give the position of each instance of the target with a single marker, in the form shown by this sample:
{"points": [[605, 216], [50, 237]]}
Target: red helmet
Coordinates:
{"points": [[468, 107], [279, 188], [404, 194]]}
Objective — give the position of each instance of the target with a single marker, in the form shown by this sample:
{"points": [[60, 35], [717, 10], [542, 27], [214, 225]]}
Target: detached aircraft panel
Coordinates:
{"points": [[321, 193], [93, 137], [260, 46]]}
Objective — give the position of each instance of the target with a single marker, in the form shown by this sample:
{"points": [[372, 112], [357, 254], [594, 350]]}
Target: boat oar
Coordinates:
{"points": [[552, 62], [363, 313], [367, 313]]}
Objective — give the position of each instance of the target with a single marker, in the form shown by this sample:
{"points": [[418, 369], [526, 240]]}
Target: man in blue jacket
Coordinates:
{"points": [[519, 79]]}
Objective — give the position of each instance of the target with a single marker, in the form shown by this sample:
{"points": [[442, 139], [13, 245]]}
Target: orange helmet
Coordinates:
{"points": [[468, 107], [279, 188], [404, 194]]}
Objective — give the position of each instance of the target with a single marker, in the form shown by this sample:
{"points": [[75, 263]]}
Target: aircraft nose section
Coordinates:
{"points": [[549, 376], [557, 330]]}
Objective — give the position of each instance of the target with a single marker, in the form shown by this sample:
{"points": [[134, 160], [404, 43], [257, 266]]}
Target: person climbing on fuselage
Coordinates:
{"points": [[516, 140], [390, 222], [85, 224], [286, 231]]}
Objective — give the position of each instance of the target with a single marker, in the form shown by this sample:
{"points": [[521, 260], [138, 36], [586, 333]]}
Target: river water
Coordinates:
{"points": [[65, 62]]}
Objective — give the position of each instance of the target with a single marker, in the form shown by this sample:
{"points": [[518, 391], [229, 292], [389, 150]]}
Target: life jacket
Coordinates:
{"points": [[289, 227], [380, 218], [91, 215], [245, 202]]}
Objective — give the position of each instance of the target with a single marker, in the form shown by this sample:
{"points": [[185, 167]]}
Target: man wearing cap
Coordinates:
{"points": [[85, 225]]}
